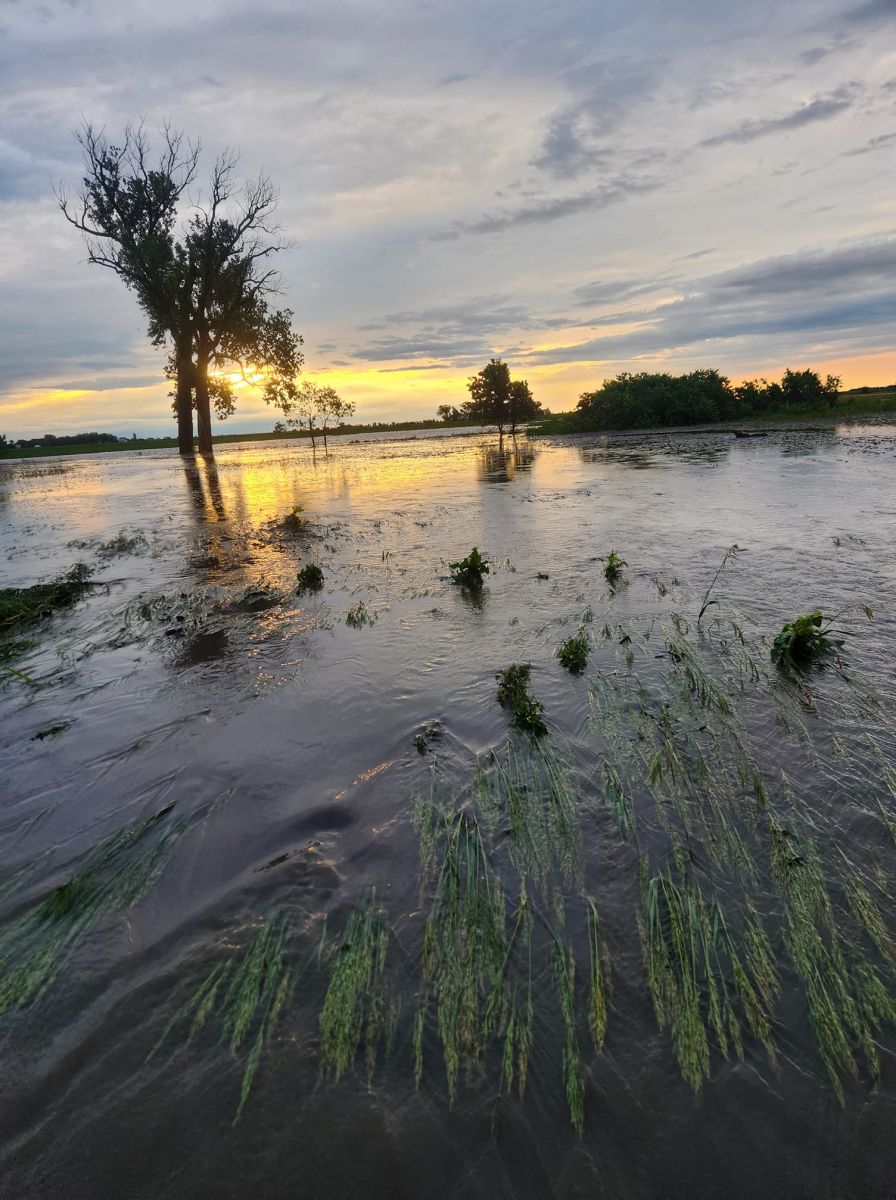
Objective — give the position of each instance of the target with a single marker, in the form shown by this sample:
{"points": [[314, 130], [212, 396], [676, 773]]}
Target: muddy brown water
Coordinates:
{"points": [[195, 675]]}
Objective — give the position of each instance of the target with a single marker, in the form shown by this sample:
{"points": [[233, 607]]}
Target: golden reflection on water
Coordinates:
{"points": [[254, 486]]}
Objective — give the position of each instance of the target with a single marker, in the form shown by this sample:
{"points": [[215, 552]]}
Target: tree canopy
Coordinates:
{"points": [[314, 407], [202, 276], [699, 397], [496, 399]]}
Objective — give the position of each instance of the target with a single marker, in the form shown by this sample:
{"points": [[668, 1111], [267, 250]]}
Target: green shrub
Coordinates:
{"points": [[513, 693], [311, 577], [573, 653], [468, 572], [613, 567], [803, 641]]}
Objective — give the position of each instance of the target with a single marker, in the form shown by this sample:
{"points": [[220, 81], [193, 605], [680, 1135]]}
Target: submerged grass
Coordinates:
{"points": [[465, 950], [356, 1009], [22, 607], [531, 791], [35, 946], [691, 954], [244, 997], [847, 998]]}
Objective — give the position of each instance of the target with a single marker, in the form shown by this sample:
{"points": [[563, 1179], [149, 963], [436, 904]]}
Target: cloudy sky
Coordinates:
{"points": [[581, 187]]}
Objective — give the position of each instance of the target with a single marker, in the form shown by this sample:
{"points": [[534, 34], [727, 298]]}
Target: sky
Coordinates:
{"points": [[581, 188]]}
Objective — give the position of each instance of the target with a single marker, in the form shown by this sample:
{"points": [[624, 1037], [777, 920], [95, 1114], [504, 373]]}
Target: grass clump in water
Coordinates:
{"points": [[245, 996], [806, 640], [531, 792], [293, 523], [573, 653], [359, 615], [468, 572], [613, 568], [691, 955], [847, 1002], [311, 578], [513, 693], [355, 1008], [20, 607], [465, 953], [430, 733]]}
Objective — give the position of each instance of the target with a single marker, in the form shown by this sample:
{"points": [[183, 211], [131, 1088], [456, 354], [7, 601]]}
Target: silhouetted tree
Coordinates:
{"points": [[333, 409], [490, 394], [202, 286], [522, 406], [313, 406]]}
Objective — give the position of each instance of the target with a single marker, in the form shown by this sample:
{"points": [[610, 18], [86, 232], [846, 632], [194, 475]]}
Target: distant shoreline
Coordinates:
{"points": [[852, 408]]}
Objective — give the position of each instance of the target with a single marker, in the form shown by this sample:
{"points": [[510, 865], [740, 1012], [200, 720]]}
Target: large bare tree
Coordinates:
{"points": [[201, 270]]}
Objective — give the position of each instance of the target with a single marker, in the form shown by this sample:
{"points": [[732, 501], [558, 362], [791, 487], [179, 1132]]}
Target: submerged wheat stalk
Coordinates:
{"points": [[355, 1006]]}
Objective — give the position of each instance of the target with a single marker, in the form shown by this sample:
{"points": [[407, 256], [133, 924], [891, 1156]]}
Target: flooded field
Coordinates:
{"points": [[290, 908]]}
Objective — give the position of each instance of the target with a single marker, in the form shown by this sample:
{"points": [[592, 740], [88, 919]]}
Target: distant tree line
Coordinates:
{"points": [[64, 439], [646, 400], [495, 399]]}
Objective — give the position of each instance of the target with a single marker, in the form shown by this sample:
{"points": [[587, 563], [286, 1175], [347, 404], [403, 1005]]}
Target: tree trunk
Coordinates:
{"points": [[184, 404], [311, 431], [203, 408]]}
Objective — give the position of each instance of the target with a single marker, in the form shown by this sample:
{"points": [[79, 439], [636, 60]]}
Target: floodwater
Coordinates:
{"points": [[212, 756]]}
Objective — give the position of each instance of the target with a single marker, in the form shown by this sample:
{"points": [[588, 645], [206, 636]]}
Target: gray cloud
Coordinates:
{"points": [[822, 108], [824, 293], [882, 142], [390, 127], [544, 211]]}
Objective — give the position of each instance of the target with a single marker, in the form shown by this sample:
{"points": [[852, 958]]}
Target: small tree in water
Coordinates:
{"points": [[497, 399], [313, 406]]}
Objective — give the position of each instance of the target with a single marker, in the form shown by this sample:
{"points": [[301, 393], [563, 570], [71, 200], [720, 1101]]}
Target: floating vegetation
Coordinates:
{"points": [[430, 733], [730, 555], [513, 693], [244, 996], [356, 1008], [573, 653], [613, 568], [803, 641], [123, 543], [690, 955], [20, 607], [542, 575], [294, 523], [359, 615], [51, 731], [311, 577], [35, 946], [806, 640], [468, 572]]}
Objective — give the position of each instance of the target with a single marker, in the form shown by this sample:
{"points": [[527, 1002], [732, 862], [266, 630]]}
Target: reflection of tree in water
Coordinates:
{"points": [[205, 494], [499, 464]]}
